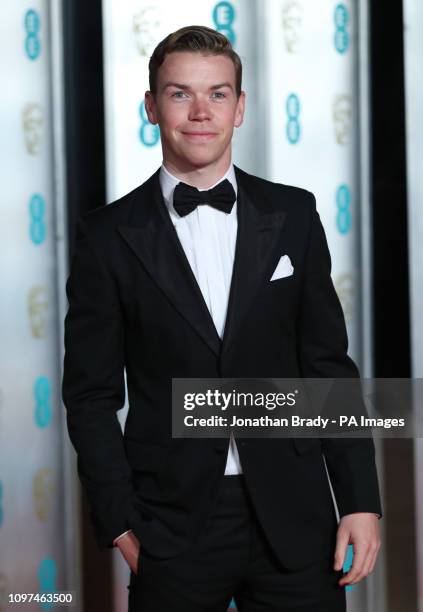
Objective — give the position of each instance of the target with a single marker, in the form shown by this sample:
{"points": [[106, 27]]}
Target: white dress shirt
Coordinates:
{"points": [[208, 237]]}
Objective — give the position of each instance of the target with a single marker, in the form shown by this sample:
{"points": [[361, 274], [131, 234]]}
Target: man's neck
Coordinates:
{"points": [[202, 178]]}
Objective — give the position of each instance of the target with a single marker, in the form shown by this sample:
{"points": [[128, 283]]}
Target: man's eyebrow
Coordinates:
{"points": [[220, 85], [184, 86]]}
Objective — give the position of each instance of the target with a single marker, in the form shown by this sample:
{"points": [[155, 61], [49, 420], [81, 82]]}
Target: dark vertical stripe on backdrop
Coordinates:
{"points": [[84, 108], [86, 189], [391, 320]]}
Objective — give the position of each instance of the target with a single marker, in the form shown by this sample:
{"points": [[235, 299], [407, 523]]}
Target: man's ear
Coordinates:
{"points": [[240, 109], [150, 107]]}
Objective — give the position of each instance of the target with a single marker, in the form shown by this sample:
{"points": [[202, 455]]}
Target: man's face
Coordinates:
{"points": [[196, 108]]}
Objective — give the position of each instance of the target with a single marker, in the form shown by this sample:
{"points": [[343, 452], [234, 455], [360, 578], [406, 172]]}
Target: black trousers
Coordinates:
{"points": [[232, 559]]}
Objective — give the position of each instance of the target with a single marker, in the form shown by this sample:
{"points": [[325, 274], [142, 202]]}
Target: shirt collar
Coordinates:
{"points": [[168, 183]]}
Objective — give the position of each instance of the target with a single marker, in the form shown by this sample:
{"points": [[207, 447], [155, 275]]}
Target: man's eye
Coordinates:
{"points": [[182, 94]]}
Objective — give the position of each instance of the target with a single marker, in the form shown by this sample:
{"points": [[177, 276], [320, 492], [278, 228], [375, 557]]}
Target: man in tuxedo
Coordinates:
{"points": [[205, 271]]}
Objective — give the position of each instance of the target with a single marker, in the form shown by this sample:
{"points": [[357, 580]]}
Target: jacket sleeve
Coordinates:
{"points": [[323, 346], [93, 389]]}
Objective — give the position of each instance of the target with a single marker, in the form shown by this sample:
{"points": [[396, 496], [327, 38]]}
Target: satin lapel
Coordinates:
{"points": [[258, 248], [151, 235]]}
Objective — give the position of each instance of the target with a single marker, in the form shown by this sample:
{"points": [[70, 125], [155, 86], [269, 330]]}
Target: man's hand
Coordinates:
{"points": [[360, 529], [129, 546]]}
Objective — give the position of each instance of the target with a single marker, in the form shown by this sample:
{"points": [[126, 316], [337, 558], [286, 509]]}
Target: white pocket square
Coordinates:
{"points": [[284, 268]]}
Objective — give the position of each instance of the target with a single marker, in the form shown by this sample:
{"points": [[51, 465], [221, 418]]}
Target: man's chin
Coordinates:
{"points": [[197, 161]]}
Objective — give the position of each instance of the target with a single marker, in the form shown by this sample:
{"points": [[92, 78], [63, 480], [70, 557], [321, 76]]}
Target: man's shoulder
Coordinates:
{"points": [[280, 193], [110, 213], [117, 212]]}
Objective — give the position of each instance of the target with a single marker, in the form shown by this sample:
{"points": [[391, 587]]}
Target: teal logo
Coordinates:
{"points": [[341, 18], [149, 133], [43, 410], [348, 564], [37, 226], [223, 19], [293, 127], [32, 25], [343, 205], [47, 573]]}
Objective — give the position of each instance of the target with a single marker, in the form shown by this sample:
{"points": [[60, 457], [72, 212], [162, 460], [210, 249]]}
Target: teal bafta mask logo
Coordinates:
{"points": [[223, 19], [32, 24], [342, 36], [292, 17], [293, 127]]}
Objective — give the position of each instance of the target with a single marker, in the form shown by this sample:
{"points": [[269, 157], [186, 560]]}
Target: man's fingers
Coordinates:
{"points": [[359, 559], [130, 550], [363, 532], [367, 564], [362, 554], [375, 554], [342, 540], [371, 560]]}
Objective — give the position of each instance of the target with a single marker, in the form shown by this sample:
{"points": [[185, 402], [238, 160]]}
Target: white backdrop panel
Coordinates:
{"points": [[310, 76], [31, 524]]}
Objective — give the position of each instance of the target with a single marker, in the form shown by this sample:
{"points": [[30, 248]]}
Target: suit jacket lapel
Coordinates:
{"points": [[258, 248], [151, 235]]}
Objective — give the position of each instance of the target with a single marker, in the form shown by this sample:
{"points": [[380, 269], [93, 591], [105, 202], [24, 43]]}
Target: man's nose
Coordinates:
{"points": [[199, 110]]}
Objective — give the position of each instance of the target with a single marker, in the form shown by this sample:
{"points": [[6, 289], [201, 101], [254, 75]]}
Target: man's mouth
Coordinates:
{"points": [[199, 135]]}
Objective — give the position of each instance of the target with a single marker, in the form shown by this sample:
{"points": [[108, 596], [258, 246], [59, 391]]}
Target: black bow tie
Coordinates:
{"points": [[186, 198]]}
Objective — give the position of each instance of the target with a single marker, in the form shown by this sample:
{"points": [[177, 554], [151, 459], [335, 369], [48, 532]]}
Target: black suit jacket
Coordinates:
{"points": [[134, 303]]}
